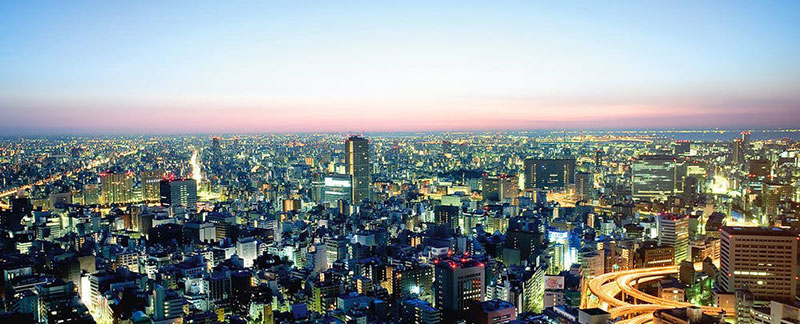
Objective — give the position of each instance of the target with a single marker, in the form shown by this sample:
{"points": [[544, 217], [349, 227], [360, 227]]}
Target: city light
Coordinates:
{"points": [[399, 162]]}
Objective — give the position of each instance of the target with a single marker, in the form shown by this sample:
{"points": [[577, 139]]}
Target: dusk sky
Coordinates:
{"points": [[71, 67]]}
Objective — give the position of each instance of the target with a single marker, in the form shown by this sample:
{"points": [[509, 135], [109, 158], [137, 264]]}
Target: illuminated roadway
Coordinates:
{"points": [[95, 163], [607, 287]]}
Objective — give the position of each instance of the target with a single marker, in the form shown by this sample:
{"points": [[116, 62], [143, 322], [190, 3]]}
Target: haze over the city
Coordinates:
{"points": [[187, 67]]}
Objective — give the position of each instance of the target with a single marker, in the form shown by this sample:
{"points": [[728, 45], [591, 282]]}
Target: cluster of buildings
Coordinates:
{"points": [[395, 228]]}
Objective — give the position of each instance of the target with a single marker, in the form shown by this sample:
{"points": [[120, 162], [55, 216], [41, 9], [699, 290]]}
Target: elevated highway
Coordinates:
{"points": [[613, 289]]}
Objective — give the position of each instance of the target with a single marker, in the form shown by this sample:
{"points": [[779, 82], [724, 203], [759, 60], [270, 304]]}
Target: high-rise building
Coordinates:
{"points": [[499, 187], [673, 230], [151, 188], [241, 291], [584, 182], [737, 152], [548, 173], [683, 148], [745, 139], [356, 150], [337, 187], [762, 259], [459, 282], [446, 215], [179, 192], [654, 176], [92, 194], [771, 196], [116, 188]]}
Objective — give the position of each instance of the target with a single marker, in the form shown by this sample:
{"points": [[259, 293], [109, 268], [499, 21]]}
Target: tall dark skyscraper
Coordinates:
{"points": [[356, 150], [583, 185], [181, 192], [549, 173], [458, 284], [737, 151]]}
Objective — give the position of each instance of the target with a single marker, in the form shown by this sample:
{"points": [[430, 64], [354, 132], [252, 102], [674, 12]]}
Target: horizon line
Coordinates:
{"points": [[365, 132]]}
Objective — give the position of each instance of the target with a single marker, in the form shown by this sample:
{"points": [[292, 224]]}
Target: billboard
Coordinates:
{"points": [[554, 282]]}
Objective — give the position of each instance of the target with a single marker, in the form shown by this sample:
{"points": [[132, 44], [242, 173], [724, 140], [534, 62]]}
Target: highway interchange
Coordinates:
{"points": [[607, 287]]}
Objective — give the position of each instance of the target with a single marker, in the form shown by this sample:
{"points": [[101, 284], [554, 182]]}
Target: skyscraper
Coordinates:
{"points": [[356, 149], [116, 188], [151, 190], [654, 176], [548, 173], [181, 192], [458, 283], [737, 151], [446, 216], [762, 259], [499, 187], [673, 230], [583, 185], [745, 139]]}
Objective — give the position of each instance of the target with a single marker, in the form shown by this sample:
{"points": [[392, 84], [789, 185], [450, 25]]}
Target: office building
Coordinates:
{"points": [[323, 295], [760, 169], [499, 187], [764, 260], [684, 315], [458, 283], [673, 230], [167, 304], [356, 150], [151, 185], [446, 216], [336, 248], [337, 187], [548, 173], [116, 188], [651, 255], [179, 192], [654, 177], [584, 182]]}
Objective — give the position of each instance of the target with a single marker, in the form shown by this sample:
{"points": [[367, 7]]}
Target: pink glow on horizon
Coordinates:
{"points": [[195, 116]]}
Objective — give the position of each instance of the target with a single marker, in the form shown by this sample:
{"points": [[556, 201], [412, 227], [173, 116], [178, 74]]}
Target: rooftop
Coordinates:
{"points": [[760, 231], [495, 305]]}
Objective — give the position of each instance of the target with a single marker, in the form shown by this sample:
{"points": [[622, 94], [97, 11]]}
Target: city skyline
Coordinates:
{"points": [[414, 162], [101, 68]]}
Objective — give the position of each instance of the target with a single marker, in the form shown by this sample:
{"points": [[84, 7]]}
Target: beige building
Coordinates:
{"points": [[116, 188], [762, 259]]}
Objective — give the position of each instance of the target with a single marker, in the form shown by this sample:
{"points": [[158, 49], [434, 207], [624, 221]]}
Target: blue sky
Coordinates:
{"points": [[222, 66]]}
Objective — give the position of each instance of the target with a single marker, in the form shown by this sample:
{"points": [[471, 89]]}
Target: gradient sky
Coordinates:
{"points": [[228, 66]]}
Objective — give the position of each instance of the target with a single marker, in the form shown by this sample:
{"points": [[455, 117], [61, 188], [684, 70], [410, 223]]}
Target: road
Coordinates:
{"points": [[608, 286], [91, 165]]}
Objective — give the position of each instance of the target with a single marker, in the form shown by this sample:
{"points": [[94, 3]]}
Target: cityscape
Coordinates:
{"points": [[351, 162]]}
